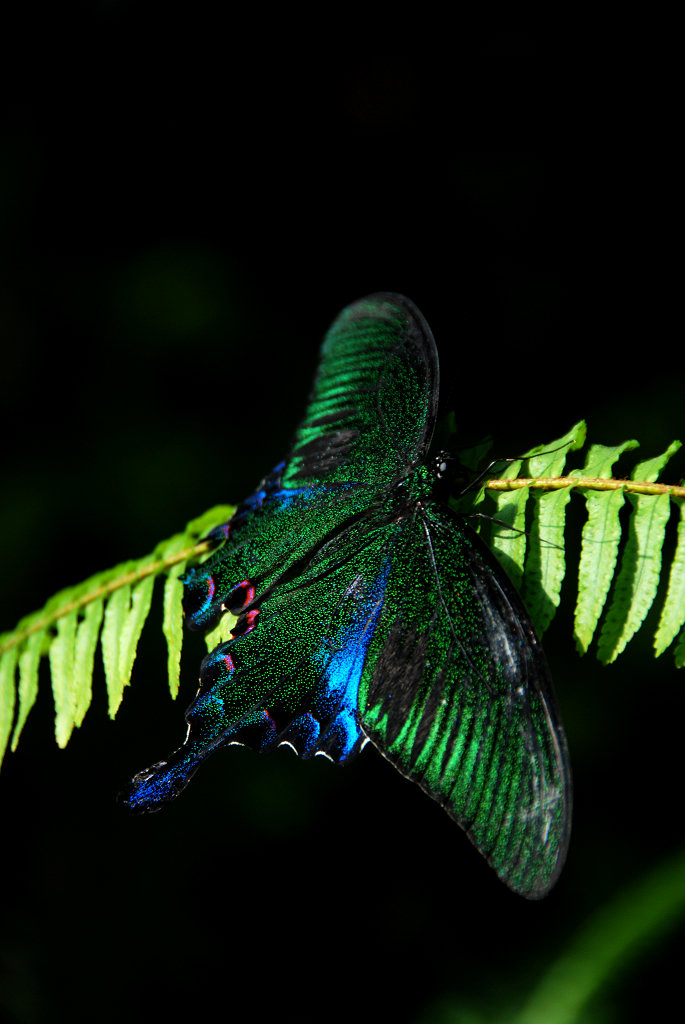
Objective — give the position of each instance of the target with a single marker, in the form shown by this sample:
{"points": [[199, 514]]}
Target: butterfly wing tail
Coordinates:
{"points": [[155, 786]]}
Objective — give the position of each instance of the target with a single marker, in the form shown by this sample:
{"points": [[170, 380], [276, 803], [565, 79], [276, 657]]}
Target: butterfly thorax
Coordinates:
{"points": [[413, 488]]}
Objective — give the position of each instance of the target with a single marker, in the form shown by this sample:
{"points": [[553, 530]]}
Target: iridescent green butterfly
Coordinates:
{"points": [[369, 611]]}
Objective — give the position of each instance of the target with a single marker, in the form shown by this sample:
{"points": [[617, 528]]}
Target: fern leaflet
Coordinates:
{"points": [[673, 613]]}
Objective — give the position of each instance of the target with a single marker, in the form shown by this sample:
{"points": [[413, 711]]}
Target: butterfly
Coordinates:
{"points": [[370, 612]]}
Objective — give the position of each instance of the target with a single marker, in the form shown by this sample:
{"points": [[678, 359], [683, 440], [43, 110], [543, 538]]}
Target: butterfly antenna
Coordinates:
{"points": [[508, 526], [507, 460]]}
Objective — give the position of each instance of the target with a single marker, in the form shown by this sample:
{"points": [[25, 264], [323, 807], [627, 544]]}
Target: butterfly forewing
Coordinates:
{"points": [[370, 417], [374, 402]]}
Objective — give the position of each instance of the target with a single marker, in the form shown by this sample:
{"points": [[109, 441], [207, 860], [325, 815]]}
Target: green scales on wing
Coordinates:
{"points": [[369, 611]]}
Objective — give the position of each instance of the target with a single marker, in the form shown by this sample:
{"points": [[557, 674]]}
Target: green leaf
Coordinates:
{"points": [[221, 632], [638, 578], [550, 459], [600, 541], [29, 664], [472, 458], [680, 651], [172, 626], [115, 614], [172, 617], [125, 617], [202, 525], [87, 636], [673, 612], [8, 664], [62, 655], [650, 468], [508, 537], [601, 459], [606, 943], [132, 627], [546, 561]]}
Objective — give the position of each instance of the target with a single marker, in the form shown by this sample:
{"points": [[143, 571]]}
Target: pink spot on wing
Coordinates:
{"points": [[245, 624], [228, 662], [249, 592], [251, 616]]}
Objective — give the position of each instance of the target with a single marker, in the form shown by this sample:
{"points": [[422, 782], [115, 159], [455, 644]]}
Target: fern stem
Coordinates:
{"points": [[104, 590], [592, 483]]}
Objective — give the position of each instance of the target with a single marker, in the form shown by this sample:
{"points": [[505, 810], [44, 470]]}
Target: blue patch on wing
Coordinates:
{"points": [[336, 705], [329, 727], [330, 724]]}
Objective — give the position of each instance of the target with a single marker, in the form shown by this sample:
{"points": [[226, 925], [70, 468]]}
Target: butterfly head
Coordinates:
{"points": [[444, 464], [445, 474]]}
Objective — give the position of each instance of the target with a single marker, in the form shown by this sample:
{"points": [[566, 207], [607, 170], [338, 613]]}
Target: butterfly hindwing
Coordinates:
{"points": [[457, 695], [292, 679]]}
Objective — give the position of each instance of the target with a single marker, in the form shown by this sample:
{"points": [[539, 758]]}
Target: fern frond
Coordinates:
{"points": [[528, 536], [535, 505], [110, 608]]}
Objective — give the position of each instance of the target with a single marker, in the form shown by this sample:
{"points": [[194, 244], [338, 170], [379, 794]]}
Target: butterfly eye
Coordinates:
{"points": [[443, 466]]}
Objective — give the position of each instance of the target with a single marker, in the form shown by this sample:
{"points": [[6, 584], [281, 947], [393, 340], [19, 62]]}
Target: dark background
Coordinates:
{"points": [[179, 225]]}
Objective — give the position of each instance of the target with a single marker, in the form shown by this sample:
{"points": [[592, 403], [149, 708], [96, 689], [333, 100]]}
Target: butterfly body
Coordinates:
{"points": [[369, 611]]}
